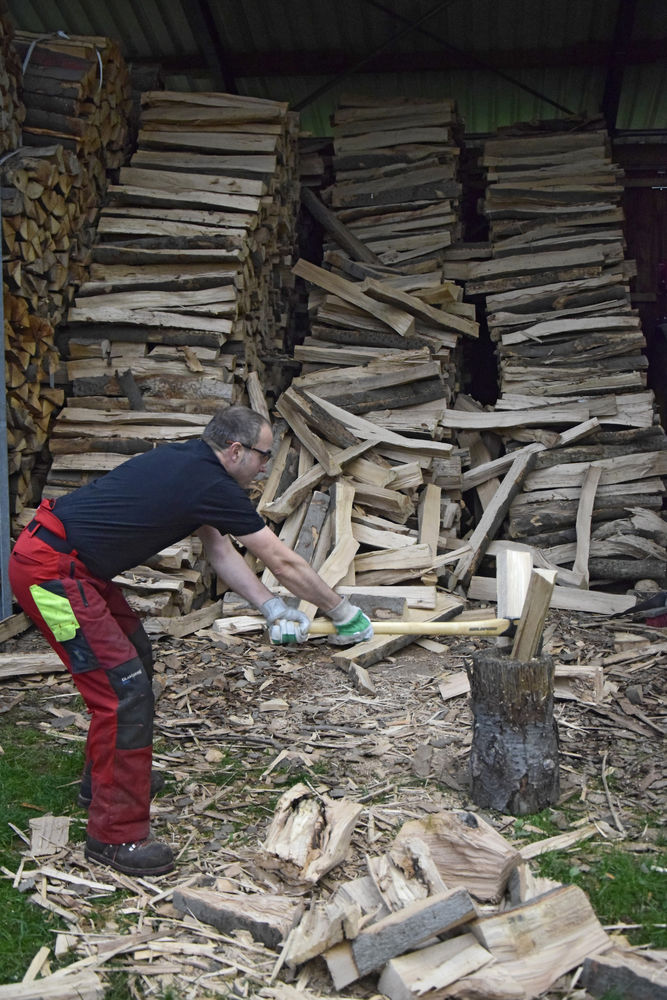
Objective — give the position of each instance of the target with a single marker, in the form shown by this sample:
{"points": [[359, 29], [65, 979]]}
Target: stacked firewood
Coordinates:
{"points": [[46, 207], [44, 202], [188, 296], [77, 93], [12, 109], [559, 310], [196, 239], [52, 186], [31, 360], [367, 482], [396, 187], [78, 96]]}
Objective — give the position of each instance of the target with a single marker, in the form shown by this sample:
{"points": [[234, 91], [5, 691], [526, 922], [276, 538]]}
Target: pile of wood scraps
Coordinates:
{"points": [[12, 108], [451, 909]]}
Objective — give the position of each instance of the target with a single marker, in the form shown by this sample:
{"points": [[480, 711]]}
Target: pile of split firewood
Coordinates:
{"points": [[452, 909]]}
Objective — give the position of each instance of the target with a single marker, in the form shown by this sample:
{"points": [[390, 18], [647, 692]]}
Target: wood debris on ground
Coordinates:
{"points": [[239, 911]]}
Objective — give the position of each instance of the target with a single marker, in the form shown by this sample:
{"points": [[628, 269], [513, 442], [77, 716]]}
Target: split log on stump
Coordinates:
{"points": [[514, 752]]}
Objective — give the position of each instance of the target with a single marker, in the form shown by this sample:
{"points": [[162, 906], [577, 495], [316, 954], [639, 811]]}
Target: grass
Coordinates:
{"points": [[623, 888], [36, 778]]}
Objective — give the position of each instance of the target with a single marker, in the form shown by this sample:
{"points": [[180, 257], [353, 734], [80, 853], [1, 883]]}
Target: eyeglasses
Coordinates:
{"points": [[266, 455]]}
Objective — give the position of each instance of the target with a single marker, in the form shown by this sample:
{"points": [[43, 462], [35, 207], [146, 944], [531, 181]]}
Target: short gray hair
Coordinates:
{"points": [[237, 423]]}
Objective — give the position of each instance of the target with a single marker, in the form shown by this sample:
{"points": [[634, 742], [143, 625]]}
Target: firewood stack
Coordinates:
{"points": [[77, 93], [558, 308], [45, 211], [52, 186], [31, 360], [554, 207], [196, 239], [12, 109], [188, 294], [365, 464], [396, 187]]}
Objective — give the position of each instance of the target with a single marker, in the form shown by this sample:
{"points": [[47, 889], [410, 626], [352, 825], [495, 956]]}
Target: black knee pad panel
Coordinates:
{"points": [[135, 705]]}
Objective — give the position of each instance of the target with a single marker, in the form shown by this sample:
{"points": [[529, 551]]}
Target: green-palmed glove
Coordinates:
{"points": [[352, 625]]}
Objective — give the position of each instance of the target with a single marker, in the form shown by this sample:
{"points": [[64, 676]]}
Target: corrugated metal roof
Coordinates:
{"points": [[288, 49]]}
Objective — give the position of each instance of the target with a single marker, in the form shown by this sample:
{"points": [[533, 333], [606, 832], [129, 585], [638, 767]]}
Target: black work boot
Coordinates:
{"points": [[85, 796], [140, 857]]}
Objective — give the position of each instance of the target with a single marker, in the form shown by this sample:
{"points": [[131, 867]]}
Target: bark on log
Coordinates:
{"points": [[514, 752]]}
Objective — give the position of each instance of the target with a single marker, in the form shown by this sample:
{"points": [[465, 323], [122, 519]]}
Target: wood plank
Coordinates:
{"points": [[563, 598], [492, 518], [583, 523], [431, 969], [397, 319], [409, 926], [415, 306], [528, 638]]}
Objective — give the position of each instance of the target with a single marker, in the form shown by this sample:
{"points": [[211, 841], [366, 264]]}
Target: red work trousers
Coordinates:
{"points": [[102, 642]]}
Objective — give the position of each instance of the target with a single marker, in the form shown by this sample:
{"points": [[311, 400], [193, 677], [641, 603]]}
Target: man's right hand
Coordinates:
{"points": [[351, 624]]}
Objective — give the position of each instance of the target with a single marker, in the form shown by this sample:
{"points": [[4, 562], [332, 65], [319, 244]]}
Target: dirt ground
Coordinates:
{"points": [[238, 721]]}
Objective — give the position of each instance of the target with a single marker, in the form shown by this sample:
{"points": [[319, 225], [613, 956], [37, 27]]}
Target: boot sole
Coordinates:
{"points": [[126, 869]]}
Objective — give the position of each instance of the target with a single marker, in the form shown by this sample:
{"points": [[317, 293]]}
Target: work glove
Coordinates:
{"points": [[352, 625], [286, 625]]}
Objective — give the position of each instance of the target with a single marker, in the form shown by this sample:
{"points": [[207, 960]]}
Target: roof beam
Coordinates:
{"points": [[329, 61], [363, 62], [483, 65]]}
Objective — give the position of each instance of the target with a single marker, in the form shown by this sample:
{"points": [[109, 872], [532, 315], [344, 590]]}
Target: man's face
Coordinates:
{"points": [[247, 461]]}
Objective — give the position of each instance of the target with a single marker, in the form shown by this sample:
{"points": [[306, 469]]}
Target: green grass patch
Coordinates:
{"points": [[623, 888], [36, 777]]}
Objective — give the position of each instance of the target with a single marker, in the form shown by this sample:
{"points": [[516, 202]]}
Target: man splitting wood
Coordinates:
{"points": [[61, 571]]}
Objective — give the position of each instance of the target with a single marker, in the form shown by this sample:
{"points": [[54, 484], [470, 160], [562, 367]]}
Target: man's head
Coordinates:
{"points": [[242, 441]]}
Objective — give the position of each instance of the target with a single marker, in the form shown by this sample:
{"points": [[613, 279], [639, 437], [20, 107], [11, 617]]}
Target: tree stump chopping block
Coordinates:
{"points": [[514, 752]]}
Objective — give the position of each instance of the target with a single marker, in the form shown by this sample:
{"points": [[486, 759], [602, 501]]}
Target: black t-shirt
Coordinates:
{"points": [[151, 501]]}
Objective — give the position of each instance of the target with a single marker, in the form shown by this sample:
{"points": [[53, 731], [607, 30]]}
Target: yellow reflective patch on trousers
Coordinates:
{"points": [[56, 611]]}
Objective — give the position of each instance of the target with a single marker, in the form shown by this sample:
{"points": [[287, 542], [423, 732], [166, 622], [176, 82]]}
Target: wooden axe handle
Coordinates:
{"points": [[492, 626]]}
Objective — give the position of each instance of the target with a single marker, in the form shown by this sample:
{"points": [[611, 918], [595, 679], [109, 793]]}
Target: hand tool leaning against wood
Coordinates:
{"points": [[62, 569]]}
